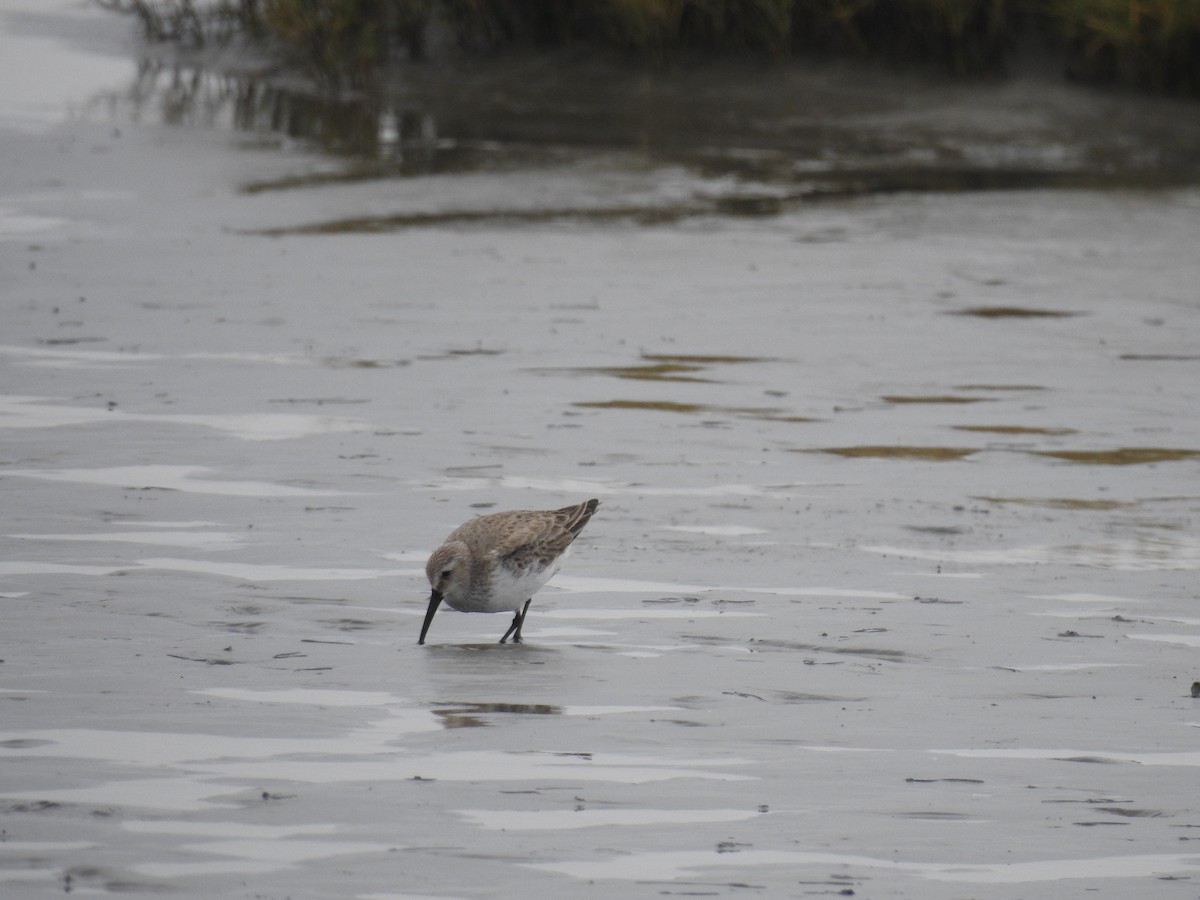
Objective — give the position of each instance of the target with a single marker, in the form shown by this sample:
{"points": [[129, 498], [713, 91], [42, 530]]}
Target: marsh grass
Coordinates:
{"points": [[193, 23], [1152, 44]]}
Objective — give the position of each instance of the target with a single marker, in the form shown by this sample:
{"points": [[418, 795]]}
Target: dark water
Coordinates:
{"points": [[774, 136]]}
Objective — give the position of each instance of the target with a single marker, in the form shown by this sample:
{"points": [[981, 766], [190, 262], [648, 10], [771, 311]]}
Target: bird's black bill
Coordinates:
{"points": [[435, 600]]}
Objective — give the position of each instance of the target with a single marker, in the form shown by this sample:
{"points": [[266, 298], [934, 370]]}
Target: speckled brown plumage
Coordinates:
{"points": [[496, 562]]}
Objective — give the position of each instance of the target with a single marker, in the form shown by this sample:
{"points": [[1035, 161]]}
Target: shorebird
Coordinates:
{"points": [[497, 562]]}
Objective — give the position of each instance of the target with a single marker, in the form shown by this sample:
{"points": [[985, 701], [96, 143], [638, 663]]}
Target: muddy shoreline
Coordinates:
{"points": [[892, 591]]}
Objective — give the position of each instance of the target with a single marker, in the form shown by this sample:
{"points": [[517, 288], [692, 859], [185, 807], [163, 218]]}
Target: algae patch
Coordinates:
{"points": [[1015, 429], [475, 351], [1160, 357], [1014, 312], [646, 215], [933, 398], [765, 413], [349, 362], [660, 371], [1121, 456], [897, 451], [652, 405], [999, 387], [1060, 503], [702, 359], [667, 367]]}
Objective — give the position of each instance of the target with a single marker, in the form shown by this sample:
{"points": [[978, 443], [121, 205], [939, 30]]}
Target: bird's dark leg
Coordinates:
{"points": [[524, 610], [518, 620]]}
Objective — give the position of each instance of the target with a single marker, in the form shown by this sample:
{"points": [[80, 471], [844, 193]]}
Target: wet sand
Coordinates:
{"points": [[892, 592]]}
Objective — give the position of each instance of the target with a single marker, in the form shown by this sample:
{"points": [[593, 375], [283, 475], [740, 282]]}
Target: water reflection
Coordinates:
{"points": [[474, 715], [806, 132], [381, 135]]}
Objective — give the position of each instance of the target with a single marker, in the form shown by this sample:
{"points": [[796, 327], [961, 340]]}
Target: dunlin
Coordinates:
{"points": [[496, 563]]}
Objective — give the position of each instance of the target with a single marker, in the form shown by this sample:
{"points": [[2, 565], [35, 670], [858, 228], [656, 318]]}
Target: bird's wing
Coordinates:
{"points": [[539, 537]]}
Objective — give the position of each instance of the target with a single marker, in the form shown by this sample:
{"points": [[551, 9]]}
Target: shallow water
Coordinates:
{"points": [[767, 669]]}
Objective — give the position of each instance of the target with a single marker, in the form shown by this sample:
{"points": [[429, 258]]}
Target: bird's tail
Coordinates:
{"points": [[575, 517]]}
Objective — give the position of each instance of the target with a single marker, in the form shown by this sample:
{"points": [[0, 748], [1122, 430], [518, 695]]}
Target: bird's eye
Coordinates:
{"points": [[446, 573]]}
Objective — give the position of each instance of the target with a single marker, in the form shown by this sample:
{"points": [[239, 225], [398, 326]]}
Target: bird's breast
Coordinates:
{"points": [[501, 587]]}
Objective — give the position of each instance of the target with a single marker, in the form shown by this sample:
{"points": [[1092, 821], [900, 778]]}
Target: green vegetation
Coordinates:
{"points": [[1153, 44]]}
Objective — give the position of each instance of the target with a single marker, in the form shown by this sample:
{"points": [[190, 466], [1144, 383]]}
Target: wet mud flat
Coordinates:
{"points": [[892, 592]]}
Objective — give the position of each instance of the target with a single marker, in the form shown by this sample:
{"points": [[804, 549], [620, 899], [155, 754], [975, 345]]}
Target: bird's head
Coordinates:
{"points": [[447, 569]]}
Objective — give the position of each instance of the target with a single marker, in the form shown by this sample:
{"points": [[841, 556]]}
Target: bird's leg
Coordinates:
{"points": [[518, 620], [511, 628], [524, 610]]}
